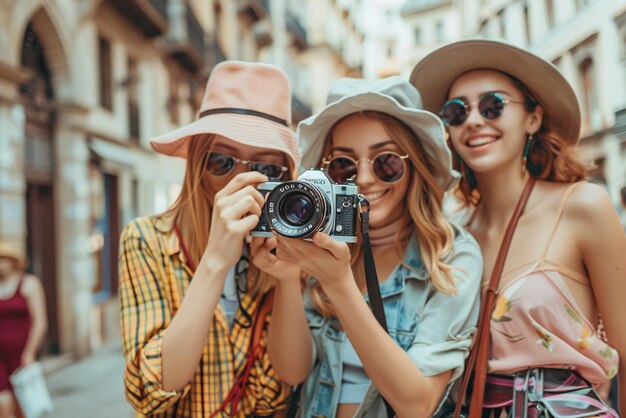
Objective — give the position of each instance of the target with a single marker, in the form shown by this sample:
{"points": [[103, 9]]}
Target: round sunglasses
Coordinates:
{"points": [[388, 166], [490, 106], [219, 164]]}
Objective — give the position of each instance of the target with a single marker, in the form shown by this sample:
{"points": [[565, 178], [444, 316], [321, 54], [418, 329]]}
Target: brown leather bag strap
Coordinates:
{"points": [[479, 355]]}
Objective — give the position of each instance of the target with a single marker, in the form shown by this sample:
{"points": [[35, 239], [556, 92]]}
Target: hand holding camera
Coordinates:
{"points": [[312, 203], [236, 210], [268, 258]]}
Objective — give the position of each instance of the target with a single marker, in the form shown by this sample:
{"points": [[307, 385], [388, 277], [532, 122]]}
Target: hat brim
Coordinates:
{"points": [[20, 262], [426, 126], [246, 130], [434, 75]]}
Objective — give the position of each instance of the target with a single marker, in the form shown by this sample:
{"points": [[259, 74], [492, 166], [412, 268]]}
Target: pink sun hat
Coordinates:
{"points": [[249, 103]]}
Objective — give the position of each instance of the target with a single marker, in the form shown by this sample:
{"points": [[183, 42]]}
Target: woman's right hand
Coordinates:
{"points": [[277, 265], [236, 211]]}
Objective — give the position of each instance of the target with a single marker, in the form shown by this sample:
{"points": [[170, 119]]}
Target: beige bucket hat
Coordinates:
{"points": [[393, 96], [433, 76], [7, 250], [246, 102]]}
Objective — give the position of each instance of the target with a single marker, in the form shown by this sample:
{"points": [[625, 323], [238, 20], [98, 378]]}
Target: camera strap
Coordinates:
{"points": [[371, 277], [373, 291]]}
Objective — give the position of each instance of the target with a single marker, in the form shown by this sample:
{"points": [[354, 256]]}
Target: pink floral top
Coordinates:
{"points": [[536, 322]]}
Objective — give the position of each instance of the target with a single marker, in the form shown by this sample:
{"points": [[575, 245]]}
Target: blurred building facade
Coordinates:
{"points": [[585, 39], [85, 83]]}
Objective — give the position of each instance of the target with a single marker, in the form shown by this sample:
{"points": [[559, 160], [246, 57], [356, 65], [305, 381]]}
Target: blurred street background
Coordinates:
{"points": [[85, 83]]}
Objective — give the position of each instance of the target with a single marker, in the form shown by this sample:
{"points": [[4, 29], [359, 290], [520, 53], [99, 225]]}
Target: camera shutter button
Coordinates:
{"points": [[338, 228]]}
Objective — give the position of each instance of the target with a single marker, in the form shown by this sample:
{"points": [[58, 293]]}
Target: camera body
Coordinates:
{"points": [[313, 202]]}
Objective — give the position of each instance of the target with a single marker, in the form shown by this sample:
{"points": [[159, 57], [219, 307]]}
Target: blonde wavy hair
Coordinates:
{"points": [[193, 209], [551, 157], [423, 214]]}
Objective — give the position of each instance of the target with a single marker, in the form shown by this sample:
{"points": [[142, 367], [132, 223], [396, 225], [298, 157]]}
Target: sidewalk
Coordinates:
{"points": [[91, 388]]}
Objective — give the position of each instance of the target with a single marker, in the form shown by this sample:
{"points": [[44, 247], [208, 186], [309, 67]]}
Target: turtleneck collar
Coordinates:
{"points": [[386, 235]]}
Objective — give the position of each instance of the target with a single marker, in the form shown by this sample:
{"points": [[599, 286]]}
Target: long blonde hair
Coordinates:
{"points": [[551, 156], [193, 209], [423, 213]]}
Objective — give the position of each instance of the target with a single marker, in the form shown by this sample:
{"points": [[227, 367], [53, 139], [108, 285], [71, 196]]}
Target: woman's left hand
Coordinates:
{"points": [[324, 258]]}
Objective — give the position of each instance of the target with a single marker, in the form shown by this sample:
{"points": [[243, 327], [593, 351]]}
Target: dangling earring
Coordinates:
{"points": [[467, 173], [527, 147]]}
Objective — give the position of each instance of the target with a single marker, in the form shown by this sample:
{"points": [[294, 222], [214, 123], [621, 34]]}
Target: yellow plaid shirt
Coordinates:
{"points": [[153, 281]]}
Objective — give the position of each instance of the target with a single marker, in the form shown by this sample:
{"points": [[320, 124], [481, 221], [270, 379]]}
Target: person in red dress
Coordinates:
{"points": [[22, 320]]}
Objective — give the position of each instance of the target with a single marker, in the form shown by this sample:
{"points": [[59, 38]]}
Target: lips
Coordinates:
{"points": [[374, 196], [480, 141]]}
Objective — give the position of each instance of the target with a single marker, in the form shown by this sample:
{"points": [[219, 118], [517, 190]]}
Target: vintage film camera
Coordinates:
{"points": [[313, 202]]}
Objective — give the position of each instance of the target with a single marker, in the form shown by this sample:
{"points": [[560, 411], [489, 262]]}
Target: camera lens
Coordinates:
{"points": [[297, 209]]}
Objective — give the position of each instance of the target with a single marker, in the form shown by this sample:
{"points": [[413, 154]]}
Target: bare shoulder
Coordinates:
{"points": [[32, 285], [589, 202]]}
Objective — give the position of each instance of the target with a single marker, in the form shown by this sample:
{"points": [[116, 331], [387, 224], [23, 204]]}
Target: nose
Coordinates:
{"points": [[239, 168], [365, 175], [474, 118]]}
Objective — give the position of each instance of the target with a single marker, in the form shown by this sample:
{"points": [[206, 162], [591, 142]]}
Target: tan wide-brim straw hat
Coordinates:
{"points": [[393, 96], [8, 250], [249, 103], [434, 75]]}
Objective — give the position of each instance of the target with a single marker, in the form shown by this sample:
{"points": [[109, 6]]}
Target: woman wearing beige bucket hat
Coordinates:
{"points": [[23, 321], [513, 123], [376, 133], [194, 312]]}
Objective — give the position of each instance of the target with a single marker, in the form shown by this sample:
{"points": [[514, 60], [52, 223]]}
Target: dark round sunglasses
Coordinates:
{"points": [[388, 166], [219, 164], [490, 106]]}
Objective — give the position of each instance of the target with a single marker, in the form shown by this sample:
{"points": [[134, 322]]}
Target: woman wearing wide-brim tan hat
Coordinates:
{"points": [[557, 279], [194, 311], [23, 321]]}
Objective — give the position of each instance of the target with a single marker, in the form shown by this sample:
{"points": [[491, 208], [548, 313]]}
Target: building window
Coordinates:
{"points": [[173, 102], [482, 28], [132, 86], [390, 48], [106, 73], [439, 34], [588, 90], [550, 13], [596, 174], [527, 24], [501, 23], [581, 3], [417, 36]]}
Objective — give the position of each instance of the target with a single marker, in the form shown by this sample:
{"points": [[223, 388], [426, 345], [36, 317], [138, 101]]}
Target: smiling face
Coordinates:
{"points": [[362, 138], [487, 145]]}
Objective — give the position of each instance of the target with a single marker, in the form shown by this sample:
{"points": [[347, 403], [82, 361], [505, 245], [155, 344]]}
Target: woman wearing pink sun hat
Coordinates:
{"points": [[552, 243], [194, 312]]}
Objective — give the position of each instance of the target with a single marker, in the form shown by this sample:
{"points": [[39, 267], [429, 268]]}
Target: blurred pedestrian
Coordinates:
{"points": [[23, 321]]}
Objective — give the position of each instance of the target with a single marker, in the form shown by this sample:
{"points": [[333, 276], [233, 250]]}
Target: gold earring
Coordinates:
{"points": [[526, 153]]}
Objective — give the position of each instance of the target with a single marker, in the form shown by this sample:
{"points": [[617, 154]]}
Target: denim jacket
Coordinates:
{"points": [[434, 328]]}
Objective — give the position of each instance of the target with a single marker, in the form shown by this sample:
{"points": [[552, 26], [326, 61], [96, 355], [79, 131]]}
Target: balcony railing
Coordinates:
{"points": [[298, 33], [185, 40], [149, 16]]}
